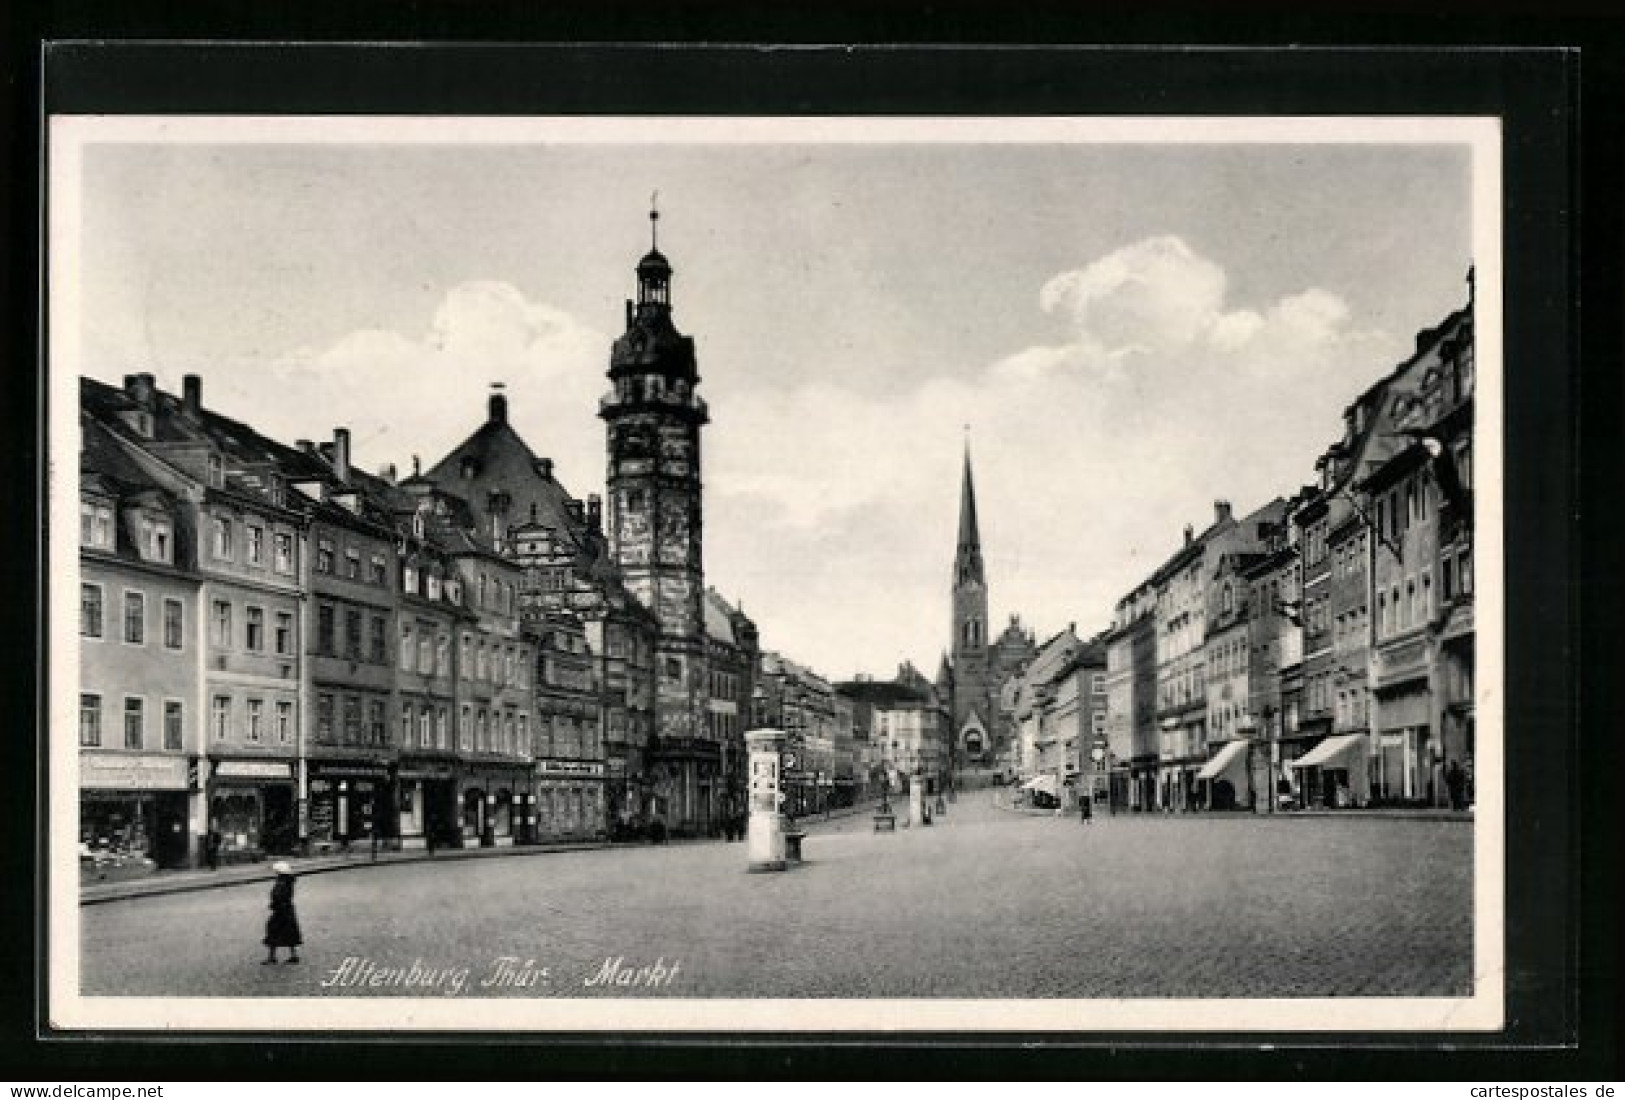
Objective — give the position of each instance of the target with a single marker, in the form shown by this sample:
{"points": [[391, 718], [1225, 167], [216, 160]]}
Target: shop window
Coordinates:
{"points": [[174, 624], [135, 618], [90, 610], [220, 716], [135, 717], [174, 726], [90, 720], [254, 629]]}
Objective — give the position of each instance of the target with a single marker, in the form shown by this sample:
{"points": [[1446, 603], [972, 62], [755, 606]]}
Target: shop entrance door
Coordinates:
{"points": [[172, 842], [281, 833]]}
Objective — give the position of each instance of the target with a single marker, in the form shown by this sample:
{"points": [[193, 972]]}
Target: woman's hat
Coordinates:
{"points": [[281, 867]]}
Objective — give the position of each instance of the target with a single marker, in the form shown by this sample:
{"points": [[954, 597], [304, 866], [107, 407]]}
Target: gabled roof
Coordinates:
{"points": [[500, 456]]}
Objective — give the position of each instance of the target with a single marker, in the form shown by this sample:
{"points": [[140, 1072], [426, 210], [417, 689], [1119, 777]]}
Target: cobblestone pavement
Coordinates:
{"points": [[985, 903]]}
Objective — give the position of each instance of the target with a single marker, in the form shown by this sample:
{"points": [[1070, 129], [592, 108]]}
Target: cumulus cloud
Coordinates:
{"points": [[421, 393], [1090, 456]]}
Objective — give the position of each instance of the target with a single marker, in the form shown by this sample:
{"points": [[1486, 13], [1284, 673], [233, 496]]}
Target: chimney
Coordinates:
{"points": [[305, 445], [595, 510], [498, 407], [417, 466], [388, 473], [1190, 534], [574, 508], [1221, 511], [545, 468], [341, 454], [192, 395], [139, 389]]}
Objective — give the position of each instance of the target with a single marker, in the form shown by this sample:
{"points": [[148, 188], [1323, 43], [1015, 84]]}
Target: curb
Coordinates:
{"points": [[149, 888]]}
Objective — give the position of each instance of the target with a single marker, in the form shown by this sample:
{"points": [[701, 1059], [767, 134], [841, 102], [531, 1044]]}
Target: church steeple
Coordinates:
{"points": [[970, 584], [968, 555]]}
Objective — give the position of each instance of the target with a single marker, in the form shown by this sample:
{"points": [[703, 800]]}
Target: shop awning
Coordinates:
{"points": [[1222, 761], [1045, 783], [1331, 752]]}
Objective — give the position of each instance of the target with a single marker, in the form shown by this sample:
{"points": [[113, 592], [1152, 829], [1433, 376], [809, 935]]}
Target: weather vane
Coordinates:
{"points": [[654, 219]]}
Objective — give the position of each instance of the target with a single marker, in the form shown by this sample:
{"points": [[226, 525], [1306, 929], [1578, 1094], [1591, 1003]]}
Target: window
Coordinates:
{"points": [[156, 545], [90, 610], [255, 543], [282, 552], [352, 564], [434, 585], [406, 647], [409, 580], [134, 721], [352, 720], [284, 633], [254, 630], [217, 471], [324, 557], [425, 654], [352, 632], [222, 538], [406, 724], [324, 718], [524, 735], [284, 723], [442, 655], [465, 729], [220, 716], [482, 733], [467, 660], [380, 646], [326, 641], [95, 526], [256, 721], [441, 730], [174, 624], [483, 668], [135, 618], [221, 625], [90, 720], [377, 731], [174, 727], [376, 572], [424, 728]]}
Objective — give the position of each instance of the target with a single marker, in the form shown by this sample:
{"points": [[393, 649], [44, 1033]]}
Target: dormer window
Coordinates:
{"points": [[95, 525], [217, 472], [434, 585], [157, 542], [417, 524], [276, 489]]}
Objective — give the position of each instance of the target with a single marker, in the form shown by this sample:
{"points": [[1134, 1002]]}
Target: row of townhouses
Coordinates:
{"points": [[1317, 652], [282, 653]]}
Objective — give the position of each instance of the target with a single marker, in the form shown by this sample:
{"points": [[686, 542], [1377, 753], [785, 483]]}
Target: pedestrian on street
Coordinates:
{"points": [[282, 927], [1086, 810], [1456, 780], [211, 848]]}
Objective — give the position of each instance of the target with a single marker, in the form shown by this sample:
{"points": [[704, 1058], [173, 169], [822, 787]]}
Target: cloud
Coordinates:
{"points": [[1091, 454], [422, 393]]}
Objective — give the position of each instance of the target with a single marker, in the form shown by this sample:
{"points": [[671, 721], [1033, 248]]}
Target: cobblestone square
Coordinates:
{"points": [[985, 903]]}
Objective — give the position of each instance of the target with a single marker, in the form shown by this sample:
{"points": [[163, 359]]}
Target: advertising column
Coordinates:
{"points": [[765, 837]]}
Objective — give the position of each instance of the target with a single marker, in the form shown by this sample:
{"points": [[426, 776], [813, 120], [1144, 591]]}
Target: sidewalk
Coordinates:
{"points": [[182, 881], [1402, 813]]}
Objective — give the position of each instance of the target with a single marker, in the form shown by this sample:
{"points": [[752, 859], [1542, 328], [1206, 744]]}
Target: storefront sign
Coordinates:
{"points": [[252, 769], [111, 771], [426, 771], [569, 767], [347, 771]]}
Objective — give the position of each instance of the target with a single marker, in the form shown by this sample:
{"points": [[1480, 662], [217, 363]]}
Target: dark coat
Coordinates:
{"points": [[282, 927]]}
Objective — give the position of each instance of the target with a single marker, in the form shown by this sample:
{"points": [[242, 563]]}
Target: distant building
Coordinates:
{"points": [[1131, 699]]}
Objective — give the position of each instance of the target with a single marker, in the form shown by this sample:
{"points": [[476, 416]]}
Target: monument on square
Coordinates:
{"points": [[764, 837]]}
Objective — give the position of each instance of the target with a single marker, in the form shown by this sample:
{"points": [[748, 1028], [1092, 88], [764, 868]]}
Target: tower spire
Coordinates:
{"points": [[654, 221], [968, 555]]}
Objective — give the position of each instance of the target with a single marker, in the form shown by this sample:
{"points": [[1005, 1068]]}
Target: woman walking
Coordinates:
{"points": [[282, 927]]}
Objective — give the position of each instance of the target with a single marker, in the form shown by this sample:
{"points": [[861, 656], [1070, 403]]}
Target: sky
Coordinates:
{"points": [[1121, 333]]}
